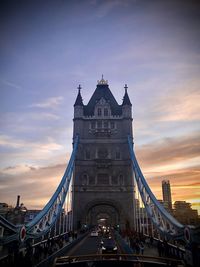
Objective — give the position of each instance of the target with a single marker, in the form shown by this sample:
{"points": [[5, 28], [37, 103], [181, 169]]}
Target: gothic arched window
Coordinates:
{"points": [[105, 112], [99, 111]]}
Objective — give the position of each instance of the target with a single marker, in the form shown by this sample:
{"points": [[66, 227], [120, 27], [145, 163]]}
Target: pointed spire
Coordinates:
{"points": [[79, 100], [126, 99]]}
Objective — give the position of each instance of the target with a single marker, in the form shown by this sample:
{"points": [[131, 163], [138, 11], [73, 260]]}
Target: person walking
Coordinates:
{"points": [[141, 245]]}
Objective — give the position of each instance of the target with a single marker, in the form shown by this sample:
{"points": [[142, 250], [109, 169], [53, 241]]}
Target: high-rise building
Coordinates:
{"points": [[166, 191]]}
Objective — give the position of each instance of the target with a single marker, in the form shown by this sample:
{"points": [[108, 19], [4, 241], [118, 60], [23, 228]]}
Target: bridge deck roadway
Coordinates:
{"points": [[89, 245]]}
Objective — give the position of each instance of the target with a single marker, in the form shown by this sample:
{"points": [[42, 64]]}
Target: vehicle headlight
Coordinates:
{"points": [[115, 248], [103, 248]]}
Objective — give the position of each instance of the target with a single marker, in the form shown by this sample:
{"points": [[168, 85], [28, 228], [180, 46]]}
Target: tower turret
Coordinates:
{"points": [[78, 105], [126, 104]]}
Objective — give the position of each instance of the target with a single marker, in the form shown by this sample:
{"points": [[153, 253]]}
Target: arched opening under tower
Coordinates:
{"points": [[103, 219], [102, 214]]}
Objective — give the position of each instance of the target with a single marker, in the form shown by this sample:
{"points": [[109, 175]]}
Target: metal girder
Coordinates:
{"points": [[162, 219]]}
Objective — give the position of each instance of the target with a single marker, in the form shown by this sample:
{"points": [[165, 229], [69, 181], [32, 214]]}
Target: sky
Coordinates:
{"points": [[48, 48]]}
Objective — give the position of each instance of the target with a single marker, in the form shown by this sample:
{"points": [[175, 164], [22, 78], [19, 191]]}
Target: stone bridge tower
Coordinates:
{"points": [[103, 189]]}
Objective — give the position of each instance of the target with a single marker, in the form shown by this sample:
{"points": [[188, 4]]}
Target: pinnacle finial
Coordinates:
{"points": [[125, 87], [79, 87], [102, 81]]}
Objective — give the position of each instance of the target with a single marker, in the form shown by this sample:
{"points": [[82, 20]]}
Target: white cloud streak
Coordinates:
{"points": [[51, 102], [10, 84], [30, 149]]}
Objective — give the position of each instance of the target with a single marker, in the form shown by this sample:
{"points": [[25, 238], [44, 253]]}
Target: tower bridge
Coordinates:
{"points": [[102, 185], [103, 172]]}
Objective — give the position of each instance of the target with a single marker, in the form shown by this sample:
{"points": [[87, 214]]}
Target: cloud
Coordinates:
{"points": [[8, 141], [181, 105], [10, 84], [170, 151], [35, 185], [50, 102], [175, 159], [18, 169], [30, 180], [24, 150], [170, 111], [44, 116], [103, 8]]}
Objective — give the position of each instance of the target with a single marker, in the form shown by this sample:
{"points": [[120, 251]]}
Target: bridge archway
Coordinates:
{"points": [[102, 212]]}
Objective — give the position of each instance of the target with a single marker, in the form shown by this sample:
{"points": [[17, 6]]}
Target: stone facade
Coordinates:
{"points": [[103, 184]]}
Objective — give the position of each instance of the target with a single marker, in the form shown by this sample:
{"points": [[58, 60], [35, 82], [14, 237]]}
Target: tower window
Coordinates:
{"points": [[105, 112], [99, 111]]}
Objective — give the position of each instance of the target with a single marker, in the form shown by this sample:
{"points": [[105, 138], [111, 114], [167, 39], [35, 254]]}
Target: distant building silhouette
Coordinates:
{"points": [[185, 214], [14, 215], [18, 202], [167, 198]]}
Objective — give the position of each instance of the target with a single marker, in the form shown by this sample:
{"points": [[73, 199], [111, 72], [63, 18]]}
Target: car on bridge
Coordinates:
{"points": [[108, 246], [94, 233]]}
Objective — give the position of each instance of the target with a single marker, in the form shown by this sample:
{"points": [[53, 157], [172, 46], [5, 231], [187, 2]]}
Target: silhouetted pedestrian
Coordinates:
{"points": [[137, 248], [141, 245], [151, 241], [160, 248], [75, 234]]}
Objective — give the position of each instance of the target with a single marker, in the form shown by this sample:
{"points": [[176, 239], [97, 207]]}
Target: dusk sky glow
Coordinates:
{"points": [[48, 48]]}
